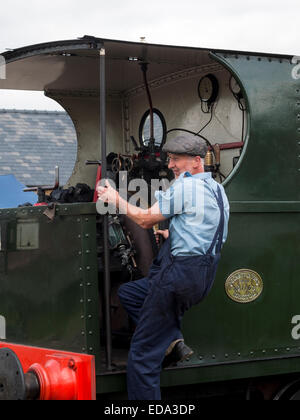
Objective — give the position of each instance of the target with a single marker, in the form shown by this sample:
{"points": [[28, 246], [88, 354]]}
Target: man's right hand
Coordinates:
{"points": [[163, 233]]}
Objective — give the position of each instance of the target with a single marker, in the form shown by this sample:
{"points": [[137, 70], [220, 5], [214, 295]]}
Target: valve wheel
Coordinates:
{"points": [[128, 164], [116, 165]]}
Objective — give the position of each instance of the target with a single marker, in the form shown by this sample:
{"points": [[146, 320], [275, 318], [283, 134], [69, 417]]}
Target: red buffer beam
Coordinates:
{"points": [[58, 375]]}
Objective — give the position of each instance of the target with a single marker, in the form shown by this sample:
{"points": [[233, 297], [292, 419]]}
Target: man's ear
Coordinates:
{"points": [[197, 161]]}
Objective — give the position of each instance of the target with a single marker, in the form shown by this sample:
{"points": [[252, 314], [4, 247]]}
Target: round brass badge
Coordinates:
{"points": [[244, 286]]}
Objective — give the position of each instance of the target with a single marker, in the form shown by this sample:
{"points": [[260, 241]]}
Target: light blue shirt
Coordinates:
{"points": [[194, 213]]}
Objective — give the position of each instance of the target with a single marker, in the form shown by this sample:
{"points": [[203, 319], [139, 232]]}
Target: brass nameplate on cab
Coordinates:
{"points": [[27, 235], [244, 286]]}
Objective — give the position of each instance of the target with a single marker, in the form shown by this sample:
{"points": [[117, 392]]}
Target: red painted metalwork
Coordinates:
{"points": [[98, 177], [228, 146], [61, 375]]}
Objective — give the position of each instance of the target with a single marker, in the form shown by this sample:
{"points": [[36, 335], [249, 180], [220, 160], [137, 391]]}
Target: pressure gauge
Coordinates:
{"points": [[234, 86], [208, 89], [237, 93]]}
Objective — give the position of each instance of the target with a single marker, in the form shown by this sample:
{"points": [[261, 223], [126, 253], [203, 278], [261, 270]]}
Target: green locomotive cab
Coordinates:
{"points": [[61, 264]]}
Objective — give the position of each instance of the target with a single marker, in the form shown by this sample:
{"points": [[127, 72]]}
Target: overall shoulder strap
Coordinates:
{"points": [[218, 237]]}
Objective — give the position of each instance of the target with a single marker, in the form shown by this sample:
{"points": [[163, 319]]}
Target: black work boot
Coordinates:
{"points": [[179, 353]]}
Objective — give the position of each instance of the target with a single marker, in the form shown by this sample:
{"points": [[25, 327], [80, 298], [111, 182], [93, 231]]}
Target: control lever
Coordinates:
{"points": [[35, 188], [136, 147], [93, 162]]}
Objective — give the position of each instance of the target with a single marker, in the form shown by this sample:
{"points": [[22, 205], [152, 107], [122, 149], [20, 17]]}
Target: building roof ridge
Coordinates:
{"points": [[31, 111]]}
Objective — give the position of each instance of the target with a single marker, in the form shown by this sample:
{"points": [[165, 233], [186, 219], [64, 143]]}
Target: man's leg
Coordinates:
{"points": [[158, 326], [132, 296]]}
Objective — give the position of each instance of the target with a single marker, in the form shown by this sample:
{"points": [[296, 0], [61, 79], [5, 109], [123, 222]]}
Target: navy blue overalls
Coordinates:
{"points": [[157, 304]]}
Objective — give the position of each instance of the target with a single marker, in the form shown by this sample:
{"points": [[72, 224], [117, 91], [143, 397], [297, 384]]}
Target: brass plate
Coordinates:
{"points": [[244, 286]]}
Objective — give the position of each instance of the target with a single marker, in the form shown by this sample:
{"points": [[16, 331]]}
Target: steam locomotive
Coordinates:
{"points": [[63, 332]]}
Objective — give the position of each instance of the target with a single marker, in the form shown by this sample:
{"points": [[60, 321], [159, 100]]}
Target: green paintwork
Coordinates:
{"points": [[49, 295], [270, 170]]}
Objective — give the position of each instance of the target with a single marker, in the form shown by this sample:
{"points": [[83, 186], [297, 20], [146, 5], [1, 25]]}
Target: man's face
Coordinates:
{"points": [[180, 163]]}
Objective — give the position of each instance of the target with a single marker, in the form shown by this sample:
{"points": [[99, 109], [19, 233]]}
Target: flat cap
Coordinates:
{"points": [[187, 145]]}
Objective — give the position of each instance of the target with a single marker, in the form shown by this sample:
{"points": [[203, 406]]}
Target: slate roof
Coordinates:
{"points": [[32, 143]]}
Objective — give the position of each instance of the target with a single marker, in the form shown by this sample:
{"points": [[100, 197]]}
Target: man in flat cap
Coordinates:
{"points": [[184, 270]]}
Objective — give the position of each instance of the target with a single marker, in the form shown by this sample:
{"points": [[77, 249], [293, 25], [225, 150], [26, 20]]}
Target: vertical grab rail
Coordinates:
{"points": [[105, 218], [3, 247]]}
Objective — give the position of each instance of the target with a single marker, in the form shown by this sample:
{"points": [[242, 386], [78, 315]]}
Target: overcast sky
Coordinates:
{"points": [[256, 25]]}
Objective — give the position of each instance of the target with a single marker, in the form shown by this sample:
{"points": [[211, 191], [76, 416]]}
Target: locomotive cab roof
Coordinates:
{"points": [[71, 64]]}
